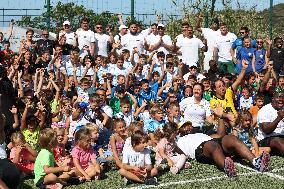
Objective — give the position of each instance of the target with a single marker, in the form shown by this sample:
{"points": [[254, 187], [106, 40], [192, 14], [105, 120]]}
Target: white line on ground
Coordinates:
{"points": [[265, 173], [207, 179], [191, 181]]}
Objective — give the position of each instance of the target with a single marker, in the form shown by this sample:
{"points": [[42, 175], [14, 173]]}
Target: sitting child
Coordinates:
{"points": [[84, 156], [136, 161], [22, 154]]}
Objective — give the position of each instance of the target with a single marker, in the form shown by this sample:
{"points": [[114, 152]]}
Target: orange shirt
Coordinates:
{"points": [[254, 110]]}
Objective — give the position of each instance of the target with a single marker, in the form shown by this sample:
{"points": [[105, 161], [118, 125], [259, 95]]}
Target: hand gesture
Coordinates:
{"points": [[281, 113], [170, 163], [218, 111], [20, 73], [41, 73], [119, 15], [180, 65], [14, 110], [270, 65], [245, 64], [74, 69], [200, 16], [144, 103]]}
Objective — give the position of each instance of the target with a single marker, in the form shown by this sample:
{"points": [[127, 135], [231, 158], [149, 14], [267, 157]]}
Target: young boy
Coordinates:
{"points": [[258, 100], [127, 113], [136, 161], [146, 92], [154, 123], [44, 168]]}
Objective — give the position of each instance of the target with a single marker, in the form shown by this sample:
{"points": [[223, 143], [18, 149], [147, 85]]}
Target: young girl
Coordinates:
{"points": [[117, 141], [245, 131], [84, 156], [22, 154], [44, 169], [167, 148], [59, 150]]}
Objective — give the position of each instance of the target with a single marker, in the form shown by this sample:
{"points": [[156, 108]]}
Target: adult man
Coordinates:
{"points": [[133, 39], [205, 149], [86, 37], [160, 41], [210, 34], [271, 124], [102, 40], [187, 46], [70, 35], [45, 43], [222, 48], [238, 43]]}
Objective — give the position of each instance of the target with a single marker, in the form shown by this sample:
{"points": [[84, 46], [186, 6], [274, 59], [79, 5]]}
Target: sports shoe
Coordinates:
{"points": [[261, 163], [229, 167], [187, 165], [151, 181], [174, 170]]}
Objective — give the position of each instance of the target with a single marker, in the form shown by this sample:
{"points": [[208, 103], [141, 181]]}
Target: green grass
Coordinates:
{"points": [[251, 179]]}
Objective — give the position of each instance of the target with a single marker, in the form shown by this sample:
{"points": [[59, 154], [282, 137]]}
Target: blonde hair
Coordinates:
{"points": [[155, 109], [17, 138], [47, 138], [92, 127]]}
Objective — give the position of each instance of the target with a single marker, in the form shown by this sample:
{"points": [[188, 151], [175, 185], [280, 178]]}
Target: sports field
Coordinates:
{"points": [[200, 176]]}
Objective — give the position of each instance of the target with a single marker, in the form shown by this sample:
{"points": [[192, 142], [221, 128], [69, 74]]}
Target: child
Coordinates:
{"points": [[174, 114], [117, 141], [146, 92], [258, 100], [245, 101], [167, 148], [127, 113], [136, 162], [44, 169], [59, 153], [84, 156], [154, 123], [245, 131], [22, 154]]}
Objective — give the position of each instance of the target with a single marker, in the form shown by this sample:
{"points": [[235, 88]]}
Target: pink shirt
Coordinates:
{"points": [[168, 148], [84, 156]]}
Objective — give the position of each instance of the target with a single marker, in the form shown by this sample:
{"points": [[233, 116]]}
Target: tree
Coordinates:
{"points": [[71, 12]]}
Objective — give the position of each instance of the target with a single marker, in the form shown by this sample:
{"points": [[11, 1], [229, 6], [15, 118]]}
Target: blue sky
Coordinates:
{"points": [[115, 6]]}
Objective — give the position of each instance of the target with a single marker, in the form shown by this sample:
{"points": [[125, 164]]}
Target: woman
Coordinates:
{"points": [[196, 109], [245, 53], [259, 57], [29, 44]]}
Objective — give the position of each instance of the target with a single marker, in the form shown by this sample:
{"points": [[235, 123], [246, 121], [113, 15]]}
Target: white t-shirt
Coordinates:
{"points": [[189, 143], [130, 41], [224, 44], [107, 110], [199, 76], [210, 35], [154, 39], [133, 158], [189, 49], [101, 44], [129, 118], [85, 37], [268, 114], [70, 37], [196, 113]]}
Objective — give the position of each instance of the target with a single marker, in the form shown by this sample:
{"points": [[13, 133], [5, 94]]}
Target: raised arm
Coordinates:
{"points": [[198, 23], [241, 75]]}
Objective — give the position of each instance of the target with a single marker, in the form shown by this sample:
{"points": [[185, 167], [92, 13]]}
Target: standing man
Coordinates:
{"points": [[160, 42], [86, 37], [133, 40], [45, 43], [222, 48], [187, 46], [70, 35], [210, 34], [102, 40]]}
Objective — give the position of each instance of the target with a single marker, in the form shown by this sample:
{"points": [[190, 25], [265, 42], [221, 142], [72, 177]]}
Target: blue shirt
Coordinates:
{"points": [[259, 59], [150, 95], [238, 43], [245, 54], [151, 125]]}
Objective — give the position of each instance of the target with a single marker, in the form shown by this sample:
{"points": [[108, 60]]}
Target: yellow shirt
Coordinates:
{"points": [[227, 102]]}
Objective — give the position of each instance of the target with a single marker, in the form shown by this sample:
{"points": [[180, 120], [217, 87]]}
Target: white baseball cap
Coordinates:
{"points": [[161, 25], [122, 27], [66, 22]]}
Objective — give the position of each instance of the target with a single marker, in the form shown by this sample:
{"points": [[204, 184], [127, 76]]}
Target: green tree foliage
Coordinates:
{"points": [[71, 12]]}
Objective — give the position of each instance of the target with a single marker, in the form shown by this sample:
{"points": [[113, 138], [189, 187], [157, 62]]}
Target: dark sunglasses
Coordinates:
{"points": [[242, 32], [259, 42], [99, 27]]}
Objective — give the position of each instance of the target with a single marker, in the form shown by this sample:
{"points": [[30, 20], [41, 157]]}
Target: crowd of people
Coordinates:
{"points": [[138, 102]]}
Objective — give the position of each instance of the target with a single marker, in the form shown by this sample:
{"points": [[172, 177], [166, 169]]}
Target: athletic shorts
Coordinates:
{"points": [[226, 67], [200, 157], [265, 142]]}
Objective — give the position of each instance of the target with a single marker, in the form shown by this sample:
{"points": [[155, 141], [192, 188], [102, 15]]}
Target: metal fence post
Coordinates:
{"points": [[270, 18]]}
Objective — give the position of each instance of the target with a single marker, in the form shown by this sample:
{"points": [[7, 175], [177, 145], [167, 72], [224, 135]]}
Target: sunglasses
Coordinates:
{"points": [[99, 27], [45, 34], [242, 32], [259, 42]]}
